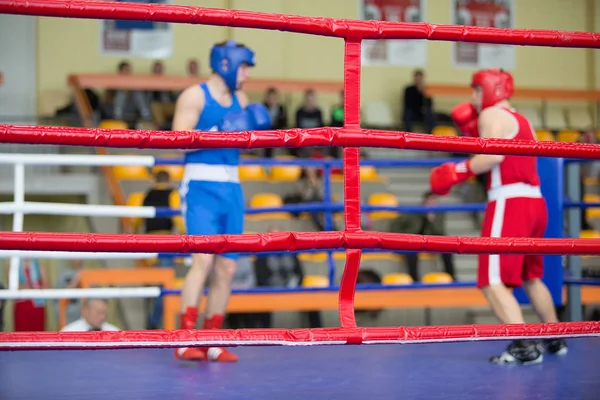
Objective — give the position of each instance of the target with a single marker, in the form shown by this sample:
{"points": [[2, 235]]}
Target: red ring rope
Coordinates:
{"points": [[341, 28], [292, 241], [293, 337], [351, 136]]}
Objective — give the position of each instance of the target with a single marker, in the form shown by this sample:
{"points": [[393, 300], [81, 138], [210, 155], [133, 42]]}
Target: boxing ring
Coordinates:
{"points": [[441, 362]]}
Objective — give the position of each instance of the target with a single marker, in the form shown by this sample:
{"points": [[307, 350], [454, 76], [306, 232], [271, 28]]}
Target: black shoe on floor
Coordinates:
{"points": [[524, 352], [554, 346]]}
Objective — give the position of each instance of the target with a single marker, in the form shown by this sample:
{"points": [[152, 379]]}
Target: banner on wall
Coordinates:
{"points": [[144, 39], [410, 53], [484, 13]]}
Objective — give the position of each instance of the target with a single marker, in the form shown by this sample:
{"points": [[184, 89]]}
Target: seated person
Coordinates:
{"points": [[93, 318], [160, 195], [417, 105], [423, 224], [130, 106], [162, 102], [278, 114], [308, 116]]}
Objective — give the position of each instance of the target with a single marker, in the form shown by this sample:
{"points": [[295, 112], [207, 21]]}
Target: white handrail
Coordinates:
{"points": [[85, 210], [75, 255], [75, 159], [107, 293]]}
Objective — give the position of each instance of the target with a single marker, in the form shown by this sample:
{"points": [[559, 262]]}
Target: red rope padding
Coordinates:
{"points": [[345, 137], [323, 336], [342, 28], [292, 241]]}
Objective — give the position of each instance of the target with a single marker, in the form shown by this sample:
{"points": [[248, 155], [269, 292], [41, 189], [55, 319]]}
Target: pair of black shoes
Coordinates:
{"points": [[526, 352]]}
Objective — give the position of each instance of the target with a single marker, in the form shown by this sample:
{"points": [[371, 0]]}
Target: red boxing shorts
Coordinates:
{"points": [[512, 217]]}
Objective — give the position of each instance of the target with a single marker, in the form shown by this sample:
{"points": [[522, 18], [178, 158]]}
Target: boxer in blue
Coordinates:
{"points": [[212, 201]]}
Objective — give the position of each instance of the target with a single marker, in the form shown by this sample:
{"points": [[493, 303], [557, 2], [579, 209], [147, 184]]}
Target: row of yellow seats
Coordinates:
{"points": [[321, 257], [273, 200], [248, 173], [567, 135], [397, 278], [594, 212]]}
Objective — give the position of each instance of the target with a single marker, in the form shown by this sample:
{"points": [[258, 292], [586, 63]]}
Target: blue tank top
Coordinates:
{"points": [[212, 115]]}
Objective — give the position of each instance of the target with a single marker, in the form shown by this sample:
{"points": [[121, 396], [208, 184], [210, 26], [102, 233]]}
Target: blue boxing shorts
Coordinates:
{"points": [[213, 208]]}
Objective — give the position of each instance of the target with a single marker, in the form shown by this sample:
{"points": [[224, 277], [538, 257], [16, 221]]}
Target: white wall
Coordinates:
{"points": [[18, 49]]}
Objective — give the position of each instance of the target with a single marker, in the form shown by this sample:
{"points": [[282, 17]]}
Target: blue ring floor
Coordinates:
{"points": [[425, 371]]}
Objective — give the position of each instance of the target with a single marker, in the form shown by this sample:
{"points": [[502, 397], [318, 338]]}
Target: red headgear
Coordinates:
{"points": [[495, 85]]}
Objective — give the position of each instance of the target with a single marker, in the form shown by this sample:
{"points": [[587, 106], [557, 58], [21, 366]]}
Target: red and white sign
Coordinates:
{"points": [[394, 52], [484, 13]]}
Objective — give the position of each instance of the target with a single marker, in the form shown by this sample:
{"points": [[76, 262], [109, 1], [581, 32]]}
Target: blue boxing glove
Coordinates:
{"points": [[254, 117]]}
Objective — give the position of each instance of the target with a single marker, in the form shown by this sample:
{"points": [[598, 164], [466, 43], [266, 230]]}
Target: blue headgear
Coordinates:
{"points": [[235, 56]]}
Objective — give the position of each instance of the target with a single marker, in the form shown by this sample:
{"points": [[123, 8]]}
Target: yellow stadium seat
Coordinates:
{"points": [[383, 199], [437, 277], [313, 257], [131, 173], [340, 255], [267, 200], [135, 199], [428, 256], [381, 257], [285, 173], [250, 173], [178, 283], [589, 234], [175, 171], [315, 281], [568, 136], [594, 212], [397, 279], [444, 131], [113, 124], [544, 135], [369, 174]]}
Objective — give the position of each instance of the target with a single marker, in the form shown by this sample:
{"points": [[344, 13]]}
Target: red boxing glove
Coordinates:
{"points": [[445, 176], [465, 117]]}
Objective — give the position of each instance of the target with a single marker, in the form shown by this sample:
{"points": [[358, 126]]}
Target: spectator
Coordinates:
{"points": [[418, 107], [309, 189], [308, 116], [162, 102], [337, 120], [278, 114], [93, 318], [69, 278], [423, 224], [193, 67], [368, 276], [281, 271], [160, 195], [30, 314], [130, 106]]}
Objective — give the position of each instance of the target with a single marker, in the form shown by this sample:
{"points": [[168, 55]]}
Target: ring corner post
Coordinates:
{"points": [[352, 212], [573, 185], [551, 174]]}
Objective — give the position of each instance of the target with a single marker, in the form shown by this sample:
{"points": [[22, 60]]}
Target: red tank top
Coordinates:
{"points": [[516, 169]]}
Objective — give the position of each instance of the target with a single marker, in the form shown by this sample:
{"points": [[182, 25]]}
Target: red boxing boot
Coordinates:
{"points": [[188, 321], [218, 354]]}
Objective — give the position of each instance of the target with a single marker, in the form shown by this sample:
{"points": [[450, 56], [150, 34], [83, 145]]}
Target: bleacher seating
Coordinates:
{"points": [[436, 278], [568, 135], [544, 135], [444, 130], [397, 278]]}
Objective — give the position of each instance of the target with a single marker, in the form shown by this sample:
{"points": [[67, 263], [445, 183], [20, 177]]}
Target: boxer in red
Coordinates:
{"points": [[515, 208]]}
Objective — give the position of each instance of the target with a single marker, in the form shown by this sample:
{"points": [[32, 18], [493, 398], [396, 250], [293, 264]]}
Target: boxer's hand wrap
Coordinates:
{"points": [[445, 176], [465, 117], [254, 117]]}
